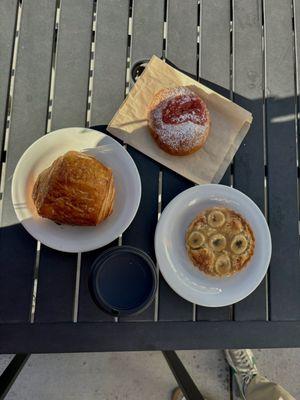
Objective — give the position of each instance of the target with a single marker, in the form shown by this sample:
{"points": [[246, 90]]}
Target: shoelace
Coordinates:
{"points": [[246, 369]]}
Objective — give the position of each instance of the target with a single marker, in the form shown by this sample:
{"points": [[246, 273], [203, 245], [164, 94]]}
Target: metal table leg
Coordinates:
{"points": [[11, 373], [185, 382]]}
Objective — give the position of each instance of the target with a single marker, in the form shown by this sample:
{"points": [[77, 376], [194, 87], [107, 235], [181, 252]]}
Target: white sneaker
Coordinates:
{"points": [[243, 365]]}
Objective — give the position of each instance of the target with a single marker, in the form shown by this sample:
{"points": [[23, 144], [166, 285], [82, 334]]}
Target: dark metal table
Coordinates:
{"points": [[68, 63]]}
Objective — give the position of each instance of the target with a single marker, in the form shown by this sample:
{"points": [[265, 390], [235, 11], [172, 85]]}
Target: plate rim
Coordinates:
{"points": [[195, 188], [91, 248]]}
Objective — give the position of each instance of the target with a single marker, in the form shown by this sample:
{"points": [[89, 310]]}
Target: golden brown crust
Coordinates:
{"points": [[227, 242], [180, 152], [161, 133], [76, 190]]}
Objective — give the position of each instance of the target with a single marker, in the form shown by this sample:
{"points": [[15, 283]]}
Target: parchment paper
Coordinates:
{"points": [[229, 124]]}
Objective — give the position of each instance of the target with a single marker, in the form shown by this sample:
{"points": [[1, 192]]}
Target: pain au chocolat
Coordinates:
{"points": [[76, 189]]}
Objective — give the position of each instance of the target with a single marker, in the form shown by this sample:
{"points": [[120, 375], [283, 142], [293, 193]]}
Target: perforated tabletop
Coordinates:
{"points": [[68, 63]]}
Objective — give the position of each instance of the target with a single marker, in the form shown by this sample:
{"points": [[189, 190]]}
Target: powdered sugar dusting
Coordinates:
{"points": [[183, 133], [186, 117]]}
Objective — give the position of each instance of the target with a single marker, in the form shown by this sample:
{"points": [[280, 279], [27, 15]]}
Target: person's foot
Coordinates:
{"points": [[243, 365], [177, 394]]}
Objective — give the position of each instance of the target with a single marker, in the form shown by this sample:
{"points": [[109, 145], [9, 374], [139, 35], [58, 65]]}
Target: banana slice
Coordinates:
{"points": [[195, 240], [223, 265], [217, 242], [239, 244], [216, 219]]}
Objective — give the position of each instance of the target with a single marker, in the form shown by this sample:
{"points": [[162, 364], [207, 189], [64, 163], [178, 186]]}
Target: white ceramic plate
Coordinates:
{"points": [[41, 154], [178, 270]]}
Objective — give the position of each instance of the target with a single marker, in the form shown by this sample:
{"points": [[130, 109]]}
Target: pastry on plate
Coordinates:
{"points": [[220, 242], [76, 189], [179, 120]]}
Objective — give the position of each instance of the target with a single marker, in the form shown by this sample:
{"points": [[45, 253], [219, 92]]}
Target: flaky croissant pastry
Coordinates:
{"points": [[76, 189]]}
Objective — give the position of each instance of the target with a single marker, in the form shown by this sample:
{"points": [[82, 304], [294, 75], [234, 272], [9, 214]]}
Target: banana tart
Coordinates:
{"points": [[220, 242]]}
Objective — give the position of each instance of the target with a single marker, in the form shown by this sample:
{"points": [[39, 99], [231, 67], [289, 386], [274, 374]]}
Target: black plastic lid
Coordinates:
{"points": [[123, 281]]}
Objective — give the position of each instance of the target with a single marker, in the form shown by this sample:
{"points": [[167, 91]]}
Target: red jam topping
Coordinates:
{"points": [[184, 108]]}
